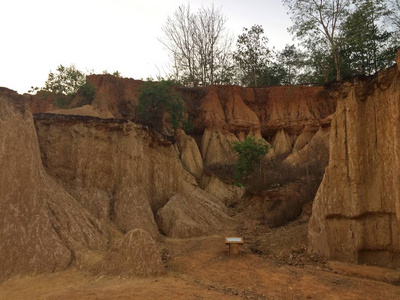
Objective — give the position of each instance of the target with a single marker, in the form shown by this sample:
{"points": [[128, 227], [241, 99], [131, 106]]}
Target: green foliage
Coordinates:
{"points": [[344, 37], [66, 83], [252, 54], [365, 42], [318, 65], [290, 60], [117, 74], [318, 21], [67, 80], [250, 153], [158, 100], [62, 101], [87, 92], [393, 17]]}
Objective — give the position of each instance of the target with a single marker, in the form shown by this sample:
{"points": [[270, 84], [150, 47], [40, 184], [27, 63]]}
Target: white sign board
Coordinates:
{"points": [[234, 239]]}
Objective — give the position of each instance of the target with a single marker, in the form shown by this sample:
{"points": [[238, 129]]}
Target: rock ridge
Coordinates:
{"points": [[356, 212]]}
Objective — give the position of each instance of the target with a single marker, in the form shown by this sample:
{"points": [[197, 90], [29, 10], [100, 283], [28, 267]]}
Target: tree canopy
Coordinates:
{"points": [[252, 54], [319, 20], [338, 38], [66, 83], [160, 102], [66, 80], [366, 45]]}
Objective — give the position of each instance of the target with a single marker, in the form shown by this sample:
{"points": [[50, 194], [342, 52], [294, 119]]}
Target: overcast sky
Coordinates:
{"points": [[39, 35]]}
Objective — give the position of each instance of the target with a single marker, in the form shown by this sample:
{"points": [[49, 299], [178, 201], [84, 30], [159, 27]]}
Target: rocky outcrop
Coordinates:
{"points": [[116, 169], [114, 95], [226, 193], [115, 98], [83, 191], [356, 212], [136, 174], [285, 116], [189, 154], [42, 228], [216, 147], [191, 213]]}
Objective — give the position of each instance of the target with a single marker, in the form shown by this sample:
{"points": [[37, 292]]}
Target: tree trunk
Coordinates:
{"points": [[336, 59]]}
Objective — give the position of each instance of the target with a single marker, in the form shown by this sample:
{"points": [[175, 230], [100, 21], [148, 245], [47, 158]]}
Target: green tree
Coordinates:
{"points": [[273, 74], [252, 54], [317, 20], [318, 65], [290, 60], [250, 152], [66, 80], [87, 92], [159, 102], [365, 42], [66, 83]]}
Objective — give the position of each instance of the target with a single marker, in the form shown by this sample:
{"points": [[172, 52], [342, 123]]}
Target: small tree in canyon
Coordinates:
{"points": [[250, 152]]}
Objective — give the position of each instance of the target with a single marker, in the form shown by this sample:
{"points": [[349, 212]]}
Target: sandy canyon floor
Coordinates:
{"points": [[273, 264]]}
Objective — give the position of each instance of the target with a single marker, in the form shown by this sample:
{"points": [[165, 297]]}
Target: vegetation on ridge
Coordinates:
{"points": [[159, 102], [66, 83], [336, 39]]}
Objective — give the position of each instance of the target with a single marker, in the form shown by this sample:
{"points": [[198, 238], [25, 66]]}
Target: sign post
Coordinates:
{"points": [[233, 243]]}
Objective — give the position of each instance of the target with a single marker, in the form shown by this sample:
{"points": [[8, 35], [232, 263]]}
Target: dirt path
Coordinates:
{"points": [[202, 269], [273, 264]]}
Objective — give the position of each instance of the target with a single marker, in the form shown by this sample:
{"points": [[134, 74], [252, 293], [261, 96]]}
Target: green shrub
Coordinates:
{"points": [[87, 92], [250, 152], [61, 102], [158, 100]]}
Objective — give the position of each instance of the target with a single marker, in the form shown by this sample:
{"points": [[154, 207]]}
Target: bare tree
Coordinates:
{"points": [[178, 31], [196, 43]]}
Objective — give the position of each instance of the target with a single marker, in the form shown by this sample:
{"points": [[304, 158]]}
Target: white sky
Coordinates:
{"points": [[39, 35]]}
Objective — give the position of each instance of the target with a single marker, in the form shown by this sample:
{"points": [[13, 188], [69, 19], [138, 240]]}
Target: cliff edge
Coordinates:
{"points": [[356, 212]]}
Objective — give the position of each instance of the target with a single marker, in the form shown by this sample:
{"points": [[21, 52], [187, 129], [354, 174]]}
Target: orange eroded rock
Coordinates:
{"points": [[116, 169], [356, 212], [42, 228]]}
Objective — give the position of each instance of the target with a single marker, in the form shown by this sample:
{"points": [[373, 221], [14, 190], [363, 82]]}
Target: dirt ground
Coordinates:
{"points": [[273, 264]]}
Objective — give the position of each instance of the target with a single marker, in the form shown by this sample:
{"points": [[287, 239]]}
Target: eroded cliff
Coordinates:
{"points": [[79, 191], [287, 117], [116, 169], [42, 228], [356, 212]]}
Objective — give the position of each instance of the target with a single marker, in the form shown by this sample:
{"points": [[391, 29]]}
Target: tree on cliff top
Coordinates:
{"points": [[366, 44], [159, 101], [250, 152], [319, 20], [66, 83], [198, 45], [252, 54], [66, 80]]}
